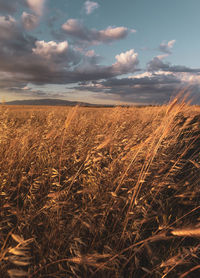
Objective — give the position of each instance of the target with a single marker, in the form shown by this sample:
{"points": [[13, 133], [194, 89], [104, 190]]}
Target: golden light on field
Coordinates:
{"points": [[83, 190]]}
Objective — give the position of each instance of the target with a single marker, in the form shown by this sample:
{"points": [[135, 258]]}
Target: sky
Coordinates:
{"points": [[103, 51]]}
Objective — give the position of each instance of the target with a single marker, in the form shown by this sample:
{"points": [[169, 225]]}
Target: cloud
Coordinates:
{"points": [[113, 33], [7, 24], [39, 62], [54, 17], [27, 91], [157, 64], [135, 82], [30, 60], [166, 47], [8, 81], [162, 56], [13, 41], [16, 54], [49, 49], [147, 88], [74, 28], [10, 6], [90, 6], [136, 93], [126, 62], [7, 6], [29, 21], [59, 54], [36, 6], [91, 57], [90, 53]]}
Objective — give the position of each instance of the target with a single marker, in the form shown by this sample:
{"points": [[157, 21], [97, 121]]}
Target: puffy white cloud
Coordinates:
{"points": [[90, 6], [74, 28], [59, 57], [29, 21], [49, 49], [126, 62], [111, 33], [166, 47], [36, 5], [56, 55]]}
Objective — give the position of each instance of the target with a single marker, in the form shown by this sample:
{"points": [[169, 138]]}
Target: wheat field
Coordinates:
{"points": [[100, 192]]}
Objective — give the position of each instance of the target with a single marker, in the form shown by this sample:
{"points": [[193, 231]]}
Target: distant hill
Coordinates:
{"points": [[50, 102]]}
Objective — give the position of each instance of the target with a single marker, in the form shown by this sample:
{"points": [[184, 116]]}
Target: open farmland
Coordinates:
{"points": [[100, 192]]}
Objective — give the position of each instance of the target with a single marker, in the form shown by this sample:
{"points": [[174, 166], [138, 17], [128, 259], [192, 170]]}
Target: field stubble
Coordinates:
{"points": [[100, 192]]}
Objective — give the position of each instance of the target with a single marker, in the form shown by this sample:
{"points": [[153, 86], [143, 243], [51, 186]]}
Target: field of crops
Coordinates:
{"points": [[100, 192]]}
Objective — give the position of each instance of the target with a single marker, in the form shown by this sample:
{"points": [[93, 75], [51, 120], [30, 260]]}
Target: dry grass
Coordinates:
{"points": [[106, 192]]}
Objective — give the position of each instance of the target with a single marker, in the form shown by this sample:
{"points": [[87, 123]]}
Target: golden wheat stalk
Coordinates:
{"points": [[188, 232]]}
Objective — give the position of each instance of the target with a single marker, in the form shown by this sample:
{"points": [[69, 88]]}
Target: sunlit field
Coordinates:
{"points": [[100, 192]]}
